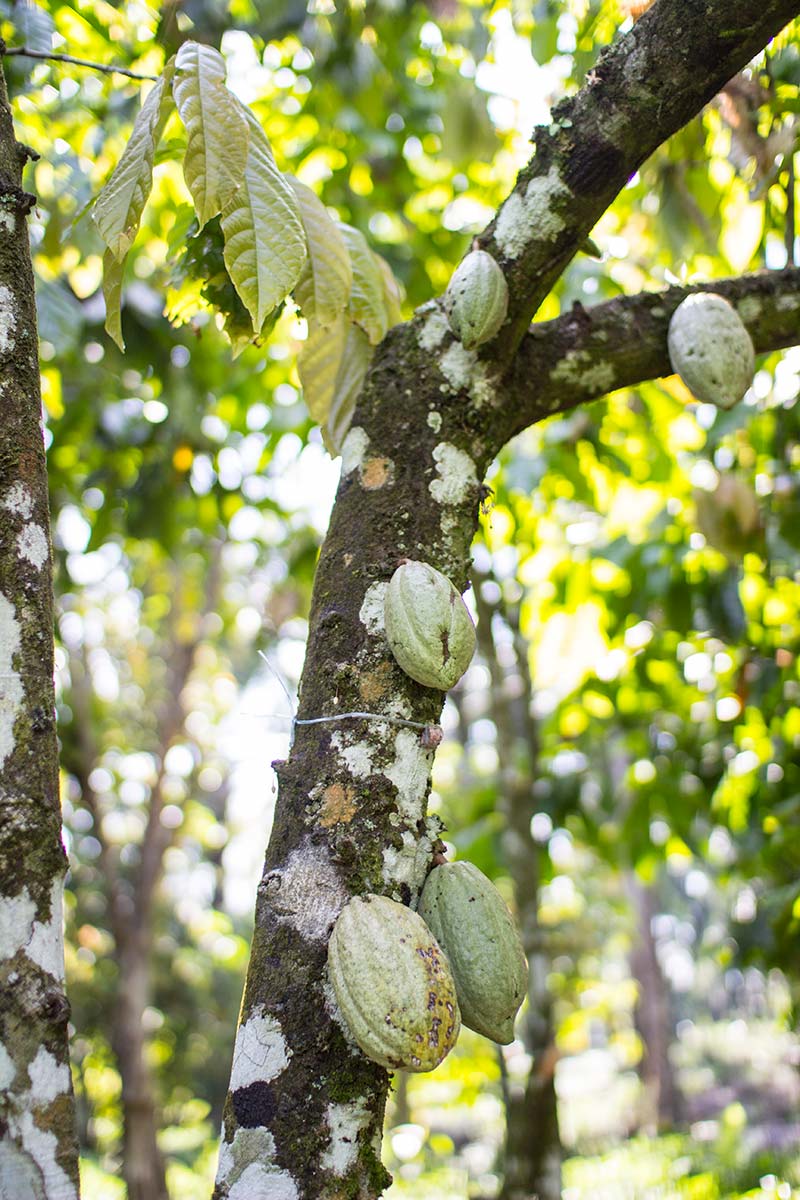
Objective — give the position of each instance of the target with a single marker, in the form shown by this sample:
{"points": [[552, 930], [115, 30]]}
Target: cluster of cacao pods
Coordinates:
{"points": [[457, 960]]}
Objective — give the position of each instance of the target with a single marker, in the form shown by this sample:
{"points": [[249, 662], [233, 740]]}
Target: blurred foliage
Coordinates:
{"points": [[646, 545]]}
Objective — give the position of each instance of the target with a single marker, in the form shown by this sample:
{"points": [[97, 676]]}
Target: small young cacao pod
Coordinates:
{"points": [[476, 300], [471, 923], [428, 626], [710, 348], [393, 984]]}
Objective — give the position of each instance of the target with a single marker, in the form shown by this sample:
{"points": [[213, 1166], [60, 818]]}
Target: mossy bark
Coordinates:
{"points": [[38, 1149]]}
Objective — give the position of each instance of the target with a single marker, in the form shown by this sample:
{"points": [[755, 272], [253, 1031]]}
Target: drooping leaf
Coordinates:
{"points": [[34, 27], [121, 202], [216, 128], [323, 289], [392, 291], [367, 307], [113, 271], [349, 381], [265, 244], [318, 365]]}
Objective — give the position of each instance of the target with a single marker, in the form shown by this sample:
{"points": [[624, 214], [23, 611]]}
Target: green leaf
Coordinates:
{"points": [[323, 289], [367, 307], [318, 365], [113, 271], [347, 388], [119, 206], [265, 244], [216, 128]]}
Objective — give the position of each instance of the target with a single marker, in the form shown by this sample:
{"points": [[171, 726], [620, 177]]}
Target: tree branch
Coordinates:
{"points": [[586, 353], [25, 52], [643, 89]]}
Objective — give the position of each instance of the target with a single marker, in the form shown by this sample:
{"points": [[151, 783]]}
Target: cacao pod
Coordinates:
{"points": [[428, 626], [476, 300], [730, 517], [710, 348], [393, 984], [471, 923]]}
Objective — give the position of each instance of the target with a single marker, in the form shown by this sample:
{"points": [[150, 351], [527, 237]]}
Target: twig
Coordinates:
{"points": [[25, 52]]}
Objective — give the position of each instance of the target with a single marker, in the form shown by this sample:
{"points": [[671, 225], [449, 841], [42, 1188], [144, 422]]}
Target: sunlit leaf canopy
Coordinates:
{"points": [[663, 630]]}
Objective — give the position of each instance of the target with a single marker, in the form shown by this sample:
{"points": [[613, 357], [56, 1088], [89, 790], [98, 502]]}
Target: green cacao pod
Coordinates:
{"points": [[428, 626], [710, 348], [471, 923], [476, 300], [730, 517], [393, 984]]}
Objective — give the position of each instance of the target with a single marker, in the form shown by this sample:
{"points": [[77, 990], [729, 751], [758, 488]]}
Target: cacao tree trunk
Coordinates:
{"points": [[38, 1148]]}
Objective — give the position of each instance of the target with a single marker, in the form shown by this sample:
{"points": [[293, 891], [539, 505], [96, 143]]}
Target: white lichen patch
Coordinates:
{"points": [[410, 773], [345, 1122], [246, 1166], [258, 1182], [16, 922], [8, 319], [434, 420], [42, 1145], [32, 545], [434, 331], [749, 308], [7, 221], [407, 864], [11, 690], [783, 304], [532, 217], [308, 893], [260, 1052], [7, 1069], [457, 366], [457, 477], [354, 449], [46, 945], [49, 1078], [576, 369], [356, 755], [18, 500], [371, 611]]}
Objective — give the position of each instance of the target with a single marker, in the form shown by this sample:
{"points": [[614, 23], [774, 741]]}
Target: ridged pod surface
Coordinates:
{"points": [[710, 348], [428, 626], [472, 924], [393, 984], [476, 300]]}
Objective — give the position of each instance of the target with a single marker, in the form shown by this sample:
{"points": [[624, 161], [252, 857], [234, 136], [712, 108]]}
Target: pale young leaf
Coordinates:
{"points": [[392, 291], [367, 307], [265, 243], [216, 129], [323, 289], [318, 365], [112, 291], [349, 380], [119, 206]]}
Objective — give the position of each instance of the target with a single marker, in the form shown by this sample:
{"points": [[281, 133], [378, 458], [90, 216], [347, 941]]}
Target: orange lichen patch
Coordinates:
{"points": [[376, 473], [376, 684], [338, 805], [635, 8]]}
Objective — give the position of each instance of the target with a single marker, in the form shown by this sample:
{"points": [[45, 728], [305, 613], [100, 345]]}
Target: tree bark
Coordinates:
{"points": [[531, 1166], [304, 1111], [38, 1147], [652, 1015]]}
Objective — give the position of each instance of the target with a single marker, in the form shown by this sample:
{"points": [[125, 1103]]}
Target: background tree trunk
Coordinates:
{"points": [[38, 1148]]}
